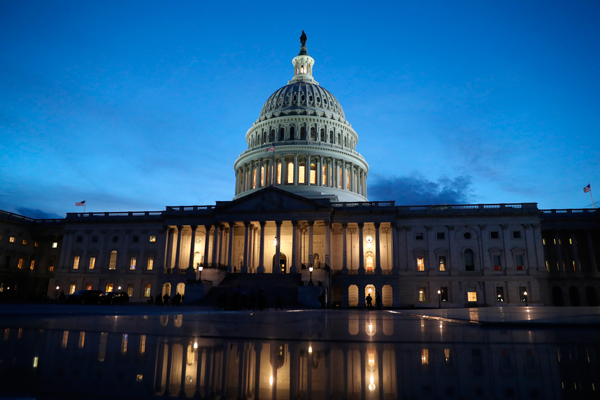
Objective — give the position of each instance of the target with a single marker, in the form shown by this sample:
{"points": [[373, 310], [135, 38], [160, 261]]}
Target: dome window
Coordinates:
{"points": [[272, 136], [302, 98], [281, 134], [295, 99], [292, 133], [302, 133], [310, 99], [312, 133]]}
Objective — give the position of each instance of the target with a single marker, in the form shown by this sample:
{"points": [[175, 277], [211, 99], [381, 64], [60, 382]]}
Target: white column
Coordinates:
{"points": [[193, 242], [295, 169]]}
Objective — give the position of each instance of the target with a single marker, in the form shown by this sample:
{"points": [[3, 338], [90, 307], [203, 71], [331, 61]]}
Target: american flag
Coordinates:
{"points": [[80, 203], [272, 148], [587, 189]]}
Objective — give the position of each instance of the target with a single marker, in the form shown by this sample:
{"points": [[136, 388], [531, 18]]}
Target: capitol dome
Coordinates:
{"points": [[302, 143]]}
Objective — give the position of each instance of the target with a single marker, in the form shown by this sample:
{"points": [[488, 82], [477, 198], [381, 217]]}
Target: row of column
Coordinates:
{"points": [[268, 171]]}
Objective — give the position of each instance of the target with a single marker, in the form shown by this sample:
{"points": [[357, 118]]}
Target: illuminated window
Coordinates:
{"points": [[124, 341], [347, 180], [54, 245], [132, 263], [369, 263], [547, 266], [71, 288], [424, 356], [279, 173], [112, 264], [290, 172], [254, 179], [88, 286], [301, 173], [447, 358], [499, 295], [51, 268], [544, 242], [24, 242], [32, 265], [76, 262], [92, 263], [20, 264], [147, 290], [152, 238], [521, 265], [324, 175], [497, 263], [471, 296], [142, 344], [420, 263], [422, 297], [262, 175], [442, 263], [109, 287], [340, 178], [523, 294], [130, 290], [150, 263], [11, 239], [313, 174], [35, 244]]}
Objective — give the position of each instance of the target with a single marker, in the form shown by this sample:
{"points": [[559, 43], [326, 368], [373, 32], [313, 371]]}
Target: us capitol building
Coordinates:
{"points": [[301, 223]]}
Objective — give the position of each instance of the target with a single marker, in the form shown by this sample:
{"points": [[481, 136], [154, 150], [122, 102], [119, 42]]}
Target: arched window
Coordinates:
{"points": [[324, 175], [345, 141], [339, 139], [181, 288], [312, 133], [112, 264], [290, 173], [301, 173], [322, 135], [272, 136], [166, 289], [281, 134], [264, 136], [302, 133], [331, 137], [292, 133], [469, 260], [313, 174]]}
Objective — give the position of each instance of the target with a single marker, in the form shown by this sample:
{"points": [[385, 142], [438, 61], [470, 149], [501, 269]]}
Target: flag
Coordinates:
{"points": [[80, 203], [272, 148], [587, 189]]}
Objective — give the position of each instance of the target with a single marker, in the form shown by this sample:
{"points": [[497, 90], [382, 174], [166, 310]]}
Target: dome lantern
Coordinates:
{"points": [[303, 64]]}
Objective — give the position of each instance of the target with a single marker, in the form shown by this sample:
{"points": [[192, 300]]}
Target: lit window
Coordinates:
{"points": [[112, 264], [139, 378], [150, 263], [497, 263], [147, 290], [109, 287], [420, 263], [54, 245], [422, 294], [547, 266], [132, 263], [71, 288], [51, 268], [253, 179], [447, 358], [278, 178], [11, 239], [313, 174], [324, 175], [301, 173], [88, 286], [520, 263], [152, 238], [124, 341], [76, 262], [262, 175], [32, 265], [499, 294], [92, 263], [442, 263], [142, 344], [471, 297], [20, 264], [340, 178], [24, 242], [290, 172], [544, 242], [35, 244]]}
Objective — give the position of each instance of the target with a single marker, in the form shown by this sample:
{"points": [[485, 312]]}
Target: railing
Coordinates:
{"points": [[578, 211], [439, 207], [115, 214], [189, 208], [364, 204], [23, 218]]}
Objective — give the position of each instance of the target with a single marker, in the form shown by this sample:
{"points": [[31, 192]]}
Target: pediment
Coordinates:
{"points": [[272, 199]]}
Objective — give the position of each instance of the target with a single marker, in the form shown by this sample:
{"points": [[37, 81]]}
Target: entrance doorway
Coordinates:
{"points": [[282, 262]]}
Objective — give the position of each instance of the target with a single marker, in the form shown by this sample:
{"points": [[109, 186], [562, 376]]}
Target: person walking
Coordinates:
{"points": [[369, 301]]}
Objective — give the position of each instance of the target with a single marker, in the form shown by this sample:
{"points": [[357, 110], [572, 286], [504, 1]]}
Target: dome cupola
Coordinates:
{"points": [[302, 142]]}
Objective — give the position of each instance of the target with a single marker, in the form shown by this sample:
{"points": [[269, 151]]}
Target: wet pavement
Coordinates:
{"points": [[139, 352]]}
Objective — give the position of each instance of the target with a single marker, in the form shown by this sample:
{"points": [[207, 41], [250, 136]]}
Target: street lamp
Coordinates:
{"points": [[310, 282], [439, 298], [199, 267], [526, 302]]}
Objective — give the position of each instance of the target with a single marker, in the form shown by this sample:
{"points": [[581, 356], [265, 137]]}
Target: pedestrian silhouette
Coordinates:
{"points": [[369, 301]]}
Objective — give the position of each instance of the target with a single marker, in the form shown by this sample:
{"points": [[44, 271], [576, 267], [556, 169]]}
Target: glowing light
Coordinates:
{"points": [[370, 290], [372, 383], [35, 362], [275, 242], [58, 287], [370, 327], [309, 349], [271, 380], [195, 345]]}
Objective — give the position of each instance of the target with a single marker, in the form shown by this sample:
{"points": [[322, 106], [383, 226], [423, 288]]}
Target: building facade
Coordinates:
{"points": [[301, 207]]}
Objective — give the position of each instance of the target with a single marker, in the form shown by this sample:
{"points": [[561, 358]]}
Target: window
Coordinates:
{"points": [[132, 263], [35, 244], [92, 263], [520, 263], [313, 174], [24, 242], [130, 290], [420, 263], [76, 262], [419, 236], [54, 245], [109, 287], [11, 239], [150, 263], [301, 173], [152, 238], [88, 286], [472, 297], [444, 293], [497, 263], [347, 180], [494, 235], [440, 235], [71, 288], [94, 239], [422, 294], [442, 262], [147, 290], [499, 295], [516, 234], [51, 268], [115, 239], [20, 264], [324, 175], [467, 235], [469, 260], [32, 265], [79, 239], [135, 239], [290, 172], [112, 264]]}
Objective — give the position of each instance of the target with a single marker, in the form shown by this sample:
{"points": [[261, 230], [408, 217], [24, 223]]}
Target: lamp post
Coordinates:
{"points": [[56, 292], [310, 282], [199, 271], [439, 298], [526, 302]]}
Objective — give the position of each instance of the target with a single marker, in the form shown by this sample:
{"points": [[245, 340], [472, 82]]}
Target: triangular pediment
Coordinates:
{"points": [[272, 200]]}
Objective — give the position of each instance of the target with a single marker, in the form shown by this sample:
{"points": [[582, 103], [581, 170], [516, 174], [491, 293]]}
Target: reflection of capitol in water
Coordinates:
{"points": [[436, 360]]}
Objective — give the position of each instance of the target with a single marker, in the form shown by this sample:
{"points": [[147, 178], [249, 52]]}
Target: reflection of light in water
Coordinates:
{"points": [[370, 328], [372, 383], [35, 362], [271, 380], [309, 349], [474, 315]]}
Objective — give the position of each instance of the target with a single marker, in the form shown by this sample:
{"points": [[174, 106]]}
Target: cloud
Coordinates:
{"points": [[418, 190], [37, 213]]}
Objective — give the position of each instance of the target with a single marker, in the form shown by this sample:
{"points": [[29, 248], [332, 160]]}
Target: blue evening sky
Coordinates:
{"points": [[140, 105]]}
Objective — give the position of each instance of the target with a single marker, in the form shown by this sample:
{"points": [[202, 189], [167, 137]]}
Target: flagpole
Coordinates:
{"points": [[591, 196]]}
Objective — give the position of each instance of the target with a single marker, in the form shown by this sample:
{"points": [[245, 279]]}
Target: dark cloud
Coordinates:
{"points": [[36, 213], [418, 190]]}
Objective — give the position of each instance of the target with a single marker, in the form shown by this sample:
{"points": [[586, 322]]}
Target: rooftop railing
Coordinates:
{"points": [[440, 207], [115, 214], [577, 211]]}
